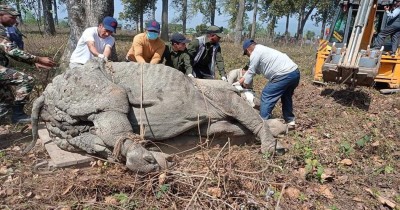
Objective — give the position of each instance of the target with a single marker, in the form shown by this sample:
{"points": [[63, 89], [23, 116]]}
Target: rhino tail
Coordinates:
{"points": [[36, 108]]}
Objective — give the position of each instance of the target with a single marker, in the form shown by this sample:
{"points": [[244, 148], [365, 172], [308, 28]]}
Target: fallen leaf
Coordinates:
{"points": [[29, 195], [111, 200], [162, 178], [38, 197], [327, 175], [382, 200], [67, 190], [99, 163], [357, 199], [302, 173], [16, 148], [216, 192], [375, 144], [343, 179], [346, 162], [292, 192], [9, 191], [326, 192], [3, 170]]}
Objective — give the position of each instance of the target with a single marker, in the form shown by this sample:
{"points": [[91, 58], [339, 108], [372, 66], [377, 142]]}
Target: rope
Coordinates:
{"points": [[118, 144], [141, 103]]}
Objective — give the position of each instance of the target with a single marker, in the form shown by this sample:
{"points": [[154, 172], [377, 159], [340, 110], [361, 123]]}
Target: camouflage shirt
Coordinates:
{"points": [[10, 49]]}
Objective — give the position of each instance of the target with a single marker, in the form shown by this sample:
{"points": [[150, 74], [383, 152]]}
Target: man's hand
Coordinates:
{"points": [[224, 79], [241, 81], [190, 75], [45, 63]]}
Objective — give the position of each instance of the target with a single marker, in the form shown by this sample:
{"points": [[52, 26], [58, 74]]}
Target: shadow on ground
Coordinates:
{"points": [[349, 98]]}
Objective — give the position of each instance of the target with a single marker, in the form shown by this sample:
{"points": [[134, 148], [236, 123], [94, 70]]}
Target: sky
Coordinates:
{"points": [[220, 20]]}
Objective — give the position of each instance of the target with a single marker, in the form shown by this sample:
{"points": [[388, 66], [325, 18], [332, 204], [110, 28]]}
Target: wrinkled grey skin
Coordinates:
{"points": [[90, 109], [84, 110], [175, 104]]}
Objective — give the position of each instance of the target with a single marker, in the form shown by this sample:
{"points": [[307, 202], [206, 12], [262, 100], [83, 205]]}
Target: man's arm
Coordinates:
{"points": [[187, 63], [136, 51], [232, 76], [92, 48], [159, 52], [13, 51], [247, 79], [220, 63], [192, 48]]}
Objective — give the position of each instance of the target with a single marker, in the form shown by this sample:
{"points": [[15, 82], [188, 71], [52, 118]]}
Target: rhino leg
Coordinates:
{"points": [[65, 145], [90, 143]]}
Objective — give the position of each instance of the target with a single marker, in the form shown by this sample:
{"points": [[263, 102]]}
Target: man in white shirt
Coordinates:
{"points": [[283, 77], [95, 42]]}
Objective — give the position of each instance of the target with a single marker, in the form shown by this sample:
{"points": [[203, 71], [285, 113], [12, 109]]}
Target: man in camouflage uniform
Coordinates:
{"points": [[176, 55], [12, 80]]}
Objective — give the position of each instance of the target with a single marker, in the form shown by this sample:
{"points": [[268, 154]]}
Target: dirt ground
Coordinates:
{"points": [[343, 154]]}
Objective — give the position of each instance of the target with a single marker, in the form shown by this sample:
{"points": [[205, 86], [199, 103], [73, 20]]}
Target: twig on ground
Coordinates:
{"points": [[202, 181], [280, 196]]}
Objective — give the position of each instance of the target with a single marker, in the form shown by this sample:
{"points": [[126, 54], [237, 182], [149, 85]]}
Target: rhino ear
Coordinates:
{"points": [[149, 158]]}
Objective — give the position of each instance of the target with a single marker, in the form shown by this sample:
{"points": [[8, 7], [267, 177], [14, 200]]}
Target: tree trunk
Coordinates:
{"points": [[164, 20], [153, 10], [271, 28], [213, 6], [323, 25], [287, 28], [49, 28], [239, 23], [81, 15], [18, 5], [254, 24], [39, 12], [141, 22], [184, 15], [55, 11]]}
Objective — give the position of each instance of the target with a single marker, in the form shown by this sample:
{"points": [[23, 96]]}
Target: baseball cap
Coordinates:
{"points": [[10, 10], [177, 37], [110, 24], [246, 44], [153, 25], [215, 30]]}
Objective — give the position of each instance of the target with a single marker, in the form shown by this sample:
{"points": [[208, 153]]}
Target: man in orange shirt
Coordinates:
{"points": [[147, 47]]}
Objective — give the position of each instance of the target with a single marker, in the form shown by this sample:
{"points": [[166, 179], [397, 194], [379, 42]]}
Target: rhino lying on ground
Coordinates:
{"points": [[96, 108]]}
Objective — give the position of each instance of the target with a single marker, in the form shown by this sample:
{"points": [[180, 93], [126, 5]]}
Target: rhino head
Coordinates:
{"points": [[140, 160]]}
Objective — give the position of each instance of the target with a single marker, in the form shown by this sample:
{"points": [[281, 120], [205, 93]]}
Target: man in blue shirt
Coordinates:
{"points": [[283, 77]]}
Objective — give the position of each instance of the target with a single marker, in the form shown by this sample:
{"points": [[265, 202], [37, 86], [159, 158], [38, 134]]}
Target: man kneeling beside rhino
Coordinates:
{"points": [[88, 108]]}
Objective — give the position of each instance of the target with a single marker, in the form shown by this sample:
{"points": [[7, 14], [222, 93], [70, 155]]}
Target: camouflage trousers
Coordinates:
{"points": [[15, 86]]}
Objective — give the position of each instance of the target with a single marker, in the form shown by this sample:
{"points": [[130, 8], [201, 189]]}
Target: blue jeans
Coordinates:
{"points": [[280, 87]]}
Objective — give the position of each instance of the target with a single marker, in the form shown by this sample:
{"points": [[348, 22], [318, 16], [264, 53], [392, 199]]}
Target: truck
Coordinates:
{"points": [[346, 55]]}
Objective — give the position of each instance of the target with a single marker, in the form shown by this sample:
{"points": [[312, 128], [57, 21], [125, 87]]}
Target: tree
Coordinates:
{"points": [[55, 12], [205, 7], [164, 20], [310, 35], [304, 9], [135, 9], [254, 23], [83, 14], [181, 5], [239, 23], [49, 28], [325, 13]]}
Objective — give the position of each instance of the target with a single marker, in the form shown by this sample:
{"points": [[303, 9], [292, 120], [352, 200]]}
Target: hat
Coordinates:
{"points": [[153, 25], [110, 24], [179, 38], [10, 10], [246, 44], [215, 30]]}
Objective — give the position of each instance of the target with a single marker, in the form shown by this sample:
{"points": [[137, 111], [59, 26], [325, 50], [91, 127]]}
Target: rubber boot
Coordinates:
{"points": [[18, 115]]}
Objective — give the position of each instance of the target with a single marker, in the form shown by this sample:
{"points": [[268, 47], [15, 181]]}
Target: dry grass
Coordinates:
{"points": [[344, 143]]}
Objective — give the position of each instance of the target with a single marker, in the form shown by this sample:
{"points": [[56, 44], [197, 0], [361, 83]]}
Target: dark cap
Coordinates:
{"points": [[153, 25], [215, 30], [179, 38], [10, 10], [246, 44], [110, 24]]}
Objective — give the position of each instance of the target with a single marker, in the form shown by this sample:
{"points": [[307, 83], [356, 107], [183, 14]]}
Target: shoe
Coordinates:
{"points": [[18, 115], [291, 125]]}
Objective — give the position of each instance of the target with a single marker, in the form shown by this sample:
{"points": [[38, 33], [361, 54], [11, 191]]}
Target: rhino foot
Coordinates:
{"points": [[140, 160], [273, 147], [164, 160]]}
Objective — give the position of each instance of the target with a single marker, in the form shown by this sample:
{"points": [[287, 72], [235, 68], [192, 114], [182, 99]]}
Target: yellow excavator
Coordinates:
{"points": [[346, 55]]}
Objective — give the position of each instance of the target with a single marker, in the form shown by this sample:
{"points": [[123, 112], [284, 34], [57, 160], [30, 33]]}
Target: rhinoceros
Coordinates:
{"points": [[98, 107]]}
